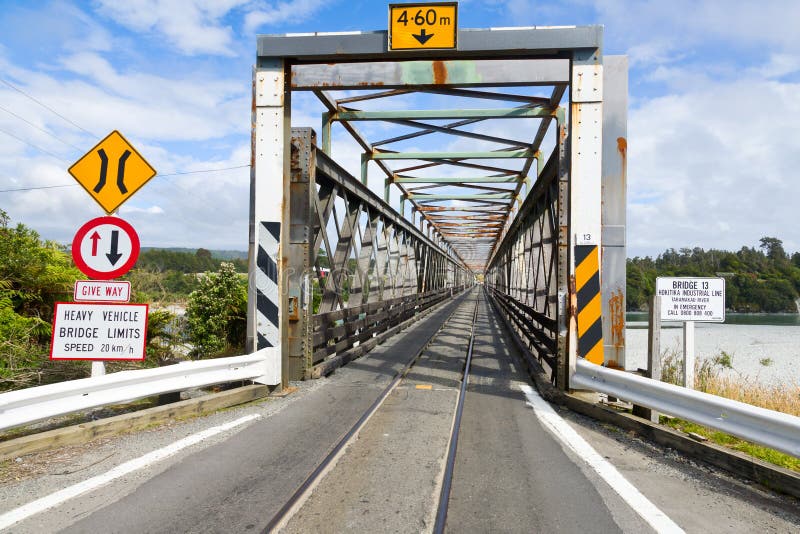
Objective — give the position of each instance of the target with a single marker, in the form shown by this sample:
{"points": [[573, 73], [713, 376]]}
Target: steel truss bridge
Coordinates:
{"points": [[524, 189]]}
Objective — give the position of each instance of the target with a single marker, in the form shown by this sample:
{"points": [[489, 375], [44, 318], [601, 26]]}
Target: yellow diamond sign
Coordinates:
{"points": [[423, 26], [112, 171]]}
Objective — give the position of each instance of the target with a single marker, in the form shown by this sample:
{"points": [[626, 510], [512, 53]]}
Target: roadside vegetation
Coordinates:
{"points": [[763, 279], [718, 377]]}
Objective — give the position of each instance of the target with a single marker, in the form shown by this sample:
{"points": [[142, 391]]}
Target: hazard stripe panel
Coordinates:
{"points": [[266, 285], [590, 320]]}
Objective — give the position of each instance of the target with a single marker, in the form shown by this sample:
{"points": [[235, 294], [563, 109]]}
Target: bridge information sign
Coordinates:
{"points": [[84, 331], [692, 299], [423, 26]]}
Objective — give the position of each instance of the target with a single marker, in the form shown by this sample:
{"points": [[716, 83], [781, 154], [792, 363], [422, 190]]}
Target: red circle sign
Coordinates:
{"points": [[105, 248]]}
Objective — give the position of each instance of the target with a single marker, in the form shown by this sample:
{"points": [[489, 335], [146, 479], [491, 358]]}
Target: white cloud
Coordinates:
{"points": [[715, 167], [140, 105], [193, 26], [281, 12]]}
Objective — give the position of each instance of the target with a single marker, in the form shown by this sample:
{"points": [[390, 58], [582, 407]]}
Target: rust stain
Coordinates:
{"points": [[616, 308], [439, 73], [622, 148]]}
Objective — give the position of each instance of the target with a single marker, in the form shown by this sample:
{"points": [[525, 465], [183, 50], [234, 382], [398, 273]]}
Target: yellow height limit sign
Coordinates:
{"points": [[423, 26], [112, 171]]}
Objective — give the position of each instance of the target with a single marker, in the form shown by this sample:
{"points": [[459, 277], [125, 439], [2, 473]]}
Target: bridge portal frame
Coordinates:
{"points": [[308, 62]]}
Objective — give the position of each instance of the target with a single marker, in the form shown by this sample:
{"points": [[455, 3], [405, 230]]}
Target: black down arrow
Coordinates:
{"points": [[114, 255], [422, 37]]}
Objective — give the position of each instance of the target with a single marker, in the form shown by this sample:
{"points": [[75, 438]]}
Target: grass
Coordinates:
{"points": [[720, 438], [717, 376]]}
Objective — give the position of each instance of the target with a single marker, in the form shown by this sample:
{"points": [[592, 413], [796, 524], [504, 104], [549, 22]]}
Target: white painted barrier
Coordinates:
{"points": [[34, 404], [772, 429]]}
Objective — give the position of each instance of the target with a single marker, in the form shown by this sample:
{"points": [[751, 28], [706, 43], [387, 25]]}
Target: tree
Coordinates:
{"points": [[217, 313], [773, 248], [34, 274]]}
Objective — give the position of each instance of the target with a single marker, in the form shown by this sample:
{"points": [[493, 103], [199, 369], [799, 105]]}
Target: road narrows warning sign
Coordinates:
{"points": [[84, 331], [112, 171]]}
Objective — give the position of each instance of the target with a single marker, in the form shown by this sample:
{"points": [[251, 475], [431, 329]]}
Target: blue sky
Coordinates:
{"points": [[714, 121]]}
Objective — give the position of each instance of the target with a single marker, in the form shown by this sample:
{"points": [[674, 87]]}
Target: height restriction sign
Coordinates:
{"points": [[105, 248], [423, 26], [112, 171]]}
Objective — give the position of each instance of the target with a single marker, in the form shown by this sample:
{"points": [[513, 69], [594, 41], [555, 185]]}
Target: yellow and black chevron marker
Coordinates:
{"points": [[590, 320]]}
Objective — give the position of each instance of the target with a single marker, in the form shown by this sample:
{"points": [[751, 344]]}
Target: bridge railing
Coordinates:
{"points": [[527, 275], [358, 269]]}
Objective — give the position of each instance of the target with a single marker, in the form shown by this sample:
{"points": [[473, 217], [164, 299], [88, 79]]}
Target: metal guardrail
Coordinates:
{"points": [[42, 402], [772, 429]]}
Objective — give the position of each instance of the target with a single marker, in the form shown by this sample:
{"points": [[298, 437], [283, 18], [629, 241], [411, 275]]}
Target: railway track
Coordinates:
{"points": [[411, 372]]}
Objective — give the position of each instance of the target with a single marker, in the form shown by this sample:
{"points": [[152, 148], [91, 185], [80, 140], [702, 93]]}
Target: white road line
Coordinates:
{"points": [[54, 499], [561, 429]]}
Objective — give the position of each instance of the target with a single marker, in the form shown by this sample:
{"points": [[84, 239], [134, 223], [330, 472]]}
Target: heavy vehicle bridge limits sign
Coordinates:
{"points": [[84, 331]]}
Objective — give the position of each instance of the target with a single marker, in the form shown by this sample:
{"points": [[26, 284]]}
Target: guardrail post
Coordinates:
{"points": [[653, 354]]}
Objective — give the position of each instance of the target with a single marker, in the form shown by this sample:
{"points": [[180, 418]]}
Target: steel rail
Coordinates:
{"points": [[447, 483], [283, 513]]}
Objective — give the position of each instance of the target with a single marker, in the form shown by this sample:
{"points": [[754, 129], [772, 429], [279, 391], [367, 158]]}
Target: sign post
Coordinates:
{"points": [[691, 300]]}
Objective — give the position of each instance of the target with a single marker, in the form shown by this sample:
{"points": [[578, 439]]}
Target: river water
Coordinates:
{"points": [[750, 339]]}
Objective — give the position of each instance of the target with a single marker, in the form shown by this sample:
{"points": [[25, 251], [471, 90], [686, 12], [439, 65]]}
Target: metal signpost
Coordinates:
{"points": [[690, 300]]}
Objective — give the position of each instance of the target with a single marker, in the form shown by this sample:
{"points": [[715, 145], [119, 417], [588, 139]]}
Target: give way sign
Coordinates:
{"points": [[105, 248]]}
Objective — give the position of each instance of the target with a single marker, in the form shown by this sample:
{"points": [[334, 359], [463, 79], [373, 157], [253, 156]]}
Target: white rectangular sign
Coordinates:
{"points": [[102, 291], [99, 331], [691, 299]]}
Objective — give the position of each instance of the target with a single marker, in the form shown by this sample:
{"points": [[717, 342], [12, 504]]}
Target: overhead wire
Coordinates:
{"points": [[45, 106], [40, 149], [156, 176], [23, 119]]}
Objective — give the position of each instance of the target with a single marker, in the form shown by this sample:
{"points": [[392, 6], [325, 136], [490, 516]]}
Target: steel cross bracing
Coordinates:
{"points": [[465, 201]]}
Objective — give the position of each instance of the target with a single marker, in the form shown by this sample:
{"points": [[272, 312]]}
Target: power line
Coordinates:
{"points": [[45, 106], [205, 170], [156, 176], [21, 140], [35, 188], [23, 119]]}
